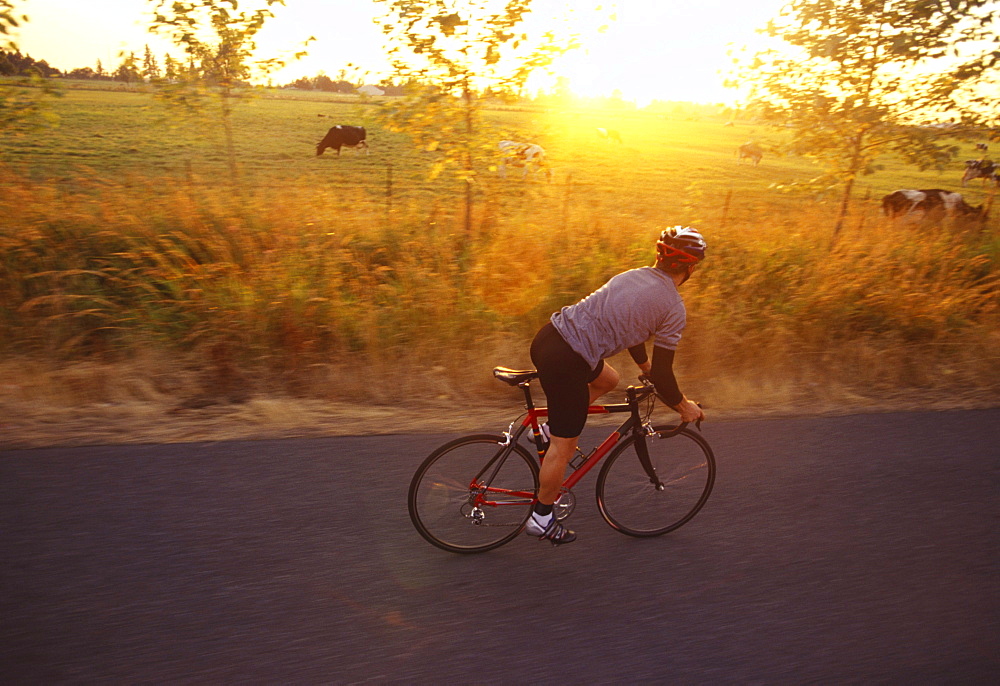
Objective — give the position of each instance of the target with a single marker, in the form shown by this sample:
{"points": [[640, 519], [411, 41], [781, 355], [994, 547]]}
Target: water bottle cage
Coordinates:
{"points": [[578, 459]]}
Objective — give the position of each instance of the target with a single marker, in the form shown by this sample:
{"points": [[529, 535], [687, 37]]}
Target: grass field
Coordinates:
{"points": [[126, 246]]}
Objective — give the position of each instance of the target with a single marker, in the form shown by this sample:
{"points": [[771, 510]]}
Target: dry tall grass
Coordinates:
{"points": [[309, 293]]}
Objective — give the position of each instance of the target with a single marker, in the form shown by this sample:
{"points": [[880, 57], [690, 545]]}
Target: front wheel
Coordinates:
{"points": [[630, 503], [473, 494]]}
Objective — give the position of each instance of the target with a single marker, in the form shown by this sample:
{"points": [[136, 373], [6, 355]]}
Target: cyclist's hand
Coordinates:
{"points": [[689, 411]]}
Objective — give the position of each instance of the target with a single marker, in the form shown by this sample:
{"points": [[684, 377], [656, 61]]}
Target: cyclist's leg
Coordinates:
{"points": [[543, 522], [561, 450], [605, 382], [565, 378], [553, 471]]}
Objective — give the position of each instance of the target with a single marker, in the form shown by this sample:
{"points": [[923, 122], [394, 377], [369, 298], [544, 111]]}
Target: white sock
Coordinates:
{"points": [[542, 520]]}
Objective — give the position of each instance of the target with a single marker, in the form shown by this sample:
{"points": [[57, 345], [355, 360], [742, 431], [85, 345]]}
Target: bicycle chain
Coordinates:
{"points": [[482, 522]]}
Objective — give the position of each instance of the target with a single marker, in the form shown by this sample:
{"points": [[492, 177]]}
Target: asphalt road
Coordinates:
{"points": [[856, 549]]}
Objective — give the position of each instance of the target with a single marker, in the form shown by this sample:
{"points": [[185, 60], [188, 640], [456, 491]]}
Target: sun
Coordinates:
{"points": [[645, 50]]}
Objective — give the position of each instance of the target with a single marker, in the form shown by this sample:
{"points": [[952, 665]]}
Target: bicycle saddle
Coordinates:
{"points": [[514, 377]]}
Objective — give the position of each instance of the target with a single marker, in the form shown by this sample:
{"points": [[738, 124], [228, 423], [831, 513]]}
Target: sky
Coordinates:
{"points": [[651, 49]]}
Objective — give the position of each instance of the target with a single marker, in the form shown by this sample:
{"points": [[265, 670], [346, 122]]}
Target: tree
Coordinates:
{"points": [[8, 22], [220, 41], [856, 78], [150, 67], [169, 67], [82, 73], [128, 70], [23, 102], [453, 53]]}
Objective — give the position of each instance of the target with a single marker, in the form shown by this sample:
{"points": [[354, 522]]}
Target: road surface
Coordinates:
{"points": [[854, 549]]}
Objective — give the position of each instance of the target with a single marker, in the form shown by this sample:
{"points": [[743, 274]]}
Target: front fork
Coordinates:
{"points": [[642, 449]]}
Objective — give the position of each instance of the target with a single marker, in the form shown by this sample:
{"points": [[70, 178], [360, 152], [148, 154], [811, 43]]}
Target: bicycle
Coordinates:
{"points": [[475, 493]]}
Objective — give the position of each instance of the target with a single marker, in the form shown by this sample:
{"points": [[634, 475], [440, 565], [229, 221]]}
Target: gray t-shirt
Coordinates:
{"points": [[631, 308]]}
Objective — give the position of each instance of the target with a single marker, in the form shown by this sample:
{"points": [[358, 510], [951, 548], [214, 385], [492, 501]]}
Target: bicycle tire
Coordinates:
{"points": [[440, 497], [631, 504]]}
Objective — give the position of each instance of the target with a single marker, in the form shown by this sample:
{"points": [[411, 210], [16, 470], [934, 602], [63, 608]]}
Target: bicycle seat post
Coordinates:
{"points": [[528, 403]]}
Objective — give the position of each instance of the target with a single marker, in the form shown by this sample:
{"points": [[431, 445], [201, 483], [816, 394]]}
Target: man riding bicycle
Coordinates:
{"points": [[569, 353]]}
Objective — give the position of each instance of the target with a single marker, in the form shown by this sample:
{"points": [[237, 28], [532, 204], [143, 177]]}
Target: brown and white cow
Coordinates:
{"points": [[981, 169], [530, 156], [343, 136], [750, 151], [931, 204]]}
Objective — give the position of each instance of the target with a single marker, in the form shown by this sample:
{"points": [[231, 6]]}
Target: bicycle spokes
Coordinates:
{"points": [[468, 496], [636, 503]]}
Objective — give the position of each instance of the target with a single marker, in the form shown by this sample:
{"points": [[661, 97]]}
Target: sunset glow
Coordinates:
{"points": [[644, 49]]}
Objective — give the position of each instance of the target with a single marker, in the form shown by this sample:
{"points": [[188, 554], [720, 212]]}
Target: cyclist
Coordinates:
{"points": [[569, 353]]}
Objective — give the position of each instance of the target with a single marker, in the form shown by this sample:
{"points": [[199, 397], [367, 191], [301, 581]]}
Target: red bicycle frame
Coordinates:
{"points": [[597, 453], [634, 393]]}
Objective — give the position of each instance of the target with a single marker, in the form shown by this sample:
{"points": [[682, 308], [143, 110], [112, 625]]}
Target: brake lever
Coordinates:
{"points": [[646, 380]]}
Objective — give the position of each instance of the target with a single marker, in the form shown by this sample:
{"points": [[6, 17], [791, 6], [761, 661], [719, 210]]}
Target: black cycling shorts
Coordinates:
{"points": [[564, 375]]}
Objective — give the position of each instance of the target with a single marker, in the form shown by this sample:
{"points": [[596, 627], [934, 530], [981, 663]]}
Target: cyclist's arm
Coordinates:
{"points": [[639, 356], [662, 376]]}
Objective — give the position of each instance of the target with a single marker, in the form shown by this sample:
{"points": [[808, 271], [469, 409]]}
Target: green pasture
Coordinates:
{"points": [[122, 232], [671, 163]]}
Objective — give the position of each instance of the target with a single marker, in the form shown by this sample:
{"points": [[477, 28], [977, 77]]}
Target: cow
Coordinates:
{"points": [[528, 155], [343, 136], [610, 135], [982, 146], [981, 169], [750, 151], [931, 204]]}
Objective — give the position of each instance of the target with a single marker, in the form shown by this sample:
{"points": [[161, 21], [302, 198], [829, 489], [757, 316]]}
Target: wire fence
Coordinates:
{"points": [[383, 188]]}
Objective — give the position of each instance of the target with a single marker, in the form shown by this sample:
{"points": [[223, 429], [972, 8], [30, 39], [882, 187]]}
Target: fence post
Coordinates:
{"points": [[388, 195], [725, 207], [565, 203], [865, 206], [468, 209]]}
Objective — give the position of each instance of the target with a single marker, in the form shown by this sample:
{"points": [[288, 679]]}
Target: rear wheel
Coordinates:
{"points": [[468, 496], [630, 503]]}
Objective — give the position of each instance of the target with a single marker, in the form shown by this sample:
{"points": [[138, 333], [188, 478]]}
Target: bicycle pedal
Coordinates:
{"points": [[567, 537], [558, 543]]}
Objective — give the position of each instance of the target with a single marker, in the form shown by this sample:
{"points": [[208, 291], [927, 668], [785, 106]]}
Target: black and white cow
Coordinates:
{"points": [[530, 156], [750, 151], [981, 169], [931, 204], [343, 136], [610, 135]]}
